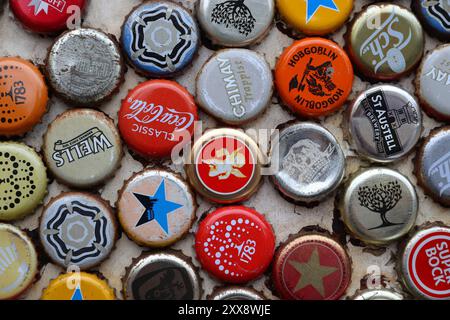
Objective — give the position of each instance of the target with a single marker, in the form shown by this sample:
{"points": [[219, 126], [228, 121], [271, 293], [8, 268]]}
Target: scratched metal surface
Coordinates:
{"points": [[285, 217]]}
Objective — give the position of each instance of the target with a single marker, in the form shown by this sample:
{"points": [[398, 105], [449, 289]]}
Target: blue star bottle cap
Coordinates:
{"points": [[435, 17]]}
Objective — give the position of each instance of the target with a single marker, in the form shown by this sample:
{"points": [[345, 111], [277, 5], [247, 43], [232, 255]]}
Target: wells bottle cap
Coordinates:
{"points": [[311, 267], [23, 180], [377, 294], [160, 38], [315, 17], [310, 161], [235, 293], [435, 17], [235, 23], [78, 286], [156, 208], [23, 96], [18, 262], [85, 67], [162, 276], [225, 166], [235, 244], [156, 116], [78, 229], [314, 77], [235, 86], [379, 205], [384, 123], [385, 41]]}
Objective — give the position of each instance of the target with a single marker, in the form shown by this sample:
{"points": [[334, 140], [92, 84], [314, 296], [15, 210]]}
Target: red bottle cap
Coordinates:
{"points": [[45, 16], [235, 244], [156, 116]]}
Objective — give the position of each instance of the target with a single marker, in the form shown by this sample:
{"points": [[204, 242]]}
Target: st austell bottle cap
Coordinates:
{"points": [[377, 294], [385, 41], [315, 17], [225, 166], [46, 16], [78, 286], [235, 293], [162, 276], [235, 244], [82, 148], [78, 229], [379, 205], [156, 116], [310, 161], [435, 17], [23, 181], [235, 23], [18, 262], [384, 123], [432, 165], [311, 267], [156, 208], [85, 67], [314, 77], [160, 38], [433, 83], [235, 86], [23, 96]]}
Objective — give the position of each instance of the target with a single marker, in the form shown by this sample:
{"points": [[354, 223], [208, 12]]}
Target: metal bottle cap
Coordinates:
{"points": [[435, 17], [379, 206], [385, 41], [235, 293], [310, 161], [385, 123], [235, 23], [235, 86], [156, 208], [377, 294], [18, 262], [78, 229], [162, 276], [82, 148], [85, 67]]}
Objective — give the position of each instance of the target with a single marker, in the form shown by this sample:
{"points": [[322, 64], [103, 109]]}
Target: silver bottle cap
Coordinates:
{"points": [[379, 206], [384, 123], [236, 293], [235, 86], [377, 294], [310, 161]]}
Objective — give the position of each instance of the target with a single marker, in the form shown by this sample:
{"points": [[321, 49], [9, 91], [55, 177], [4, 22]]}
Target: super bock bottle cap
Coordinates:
{"points": [[235, 293], [435, 17], [384, 123]]}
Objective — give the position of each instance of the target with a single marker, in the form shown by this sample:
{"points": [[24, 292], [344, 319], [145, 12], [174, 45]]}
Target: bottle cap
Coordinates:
{"points": [[432, 165], [384, 123], [23, 96], [78, 229], [433, 83], [435, 17], [18, 262], [315, 17], [377, 294], [156, 116], [46, 16], [78, 286], [385, 41], [156, 208], [85, 67], [235, 23], [236, 293], [314, 77], [311, 267], [162, 276], [379, 205], [311, 164], [160, 38], [235, 244], [225, 166], [82, 148], [235, 86], [23, 181]]}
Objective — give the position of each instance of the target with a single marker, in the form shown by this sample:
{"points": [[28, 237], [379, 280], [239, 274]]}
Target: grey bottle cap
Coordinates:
{"points": [[310, 161], [377, 294], [235, 86], [235, 293], [379, 206], [235, 23], [385, 123]]}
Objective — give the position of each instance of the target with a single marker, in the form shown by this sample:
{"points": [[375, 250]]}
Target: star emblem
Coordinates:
{"points": [[312, 273], [39, 6], [77, 294], [157, 207], [313, 5]]}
